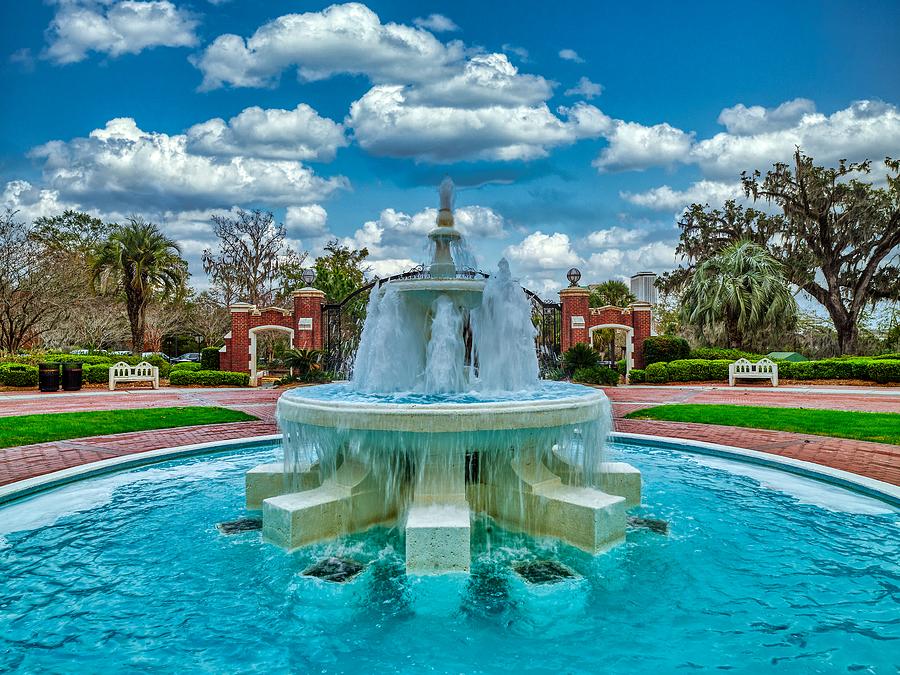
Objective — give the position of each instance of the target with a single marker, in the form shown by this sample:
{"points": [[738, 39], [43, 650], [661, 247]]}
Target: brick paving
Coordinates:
{"points": [[876, 460]]}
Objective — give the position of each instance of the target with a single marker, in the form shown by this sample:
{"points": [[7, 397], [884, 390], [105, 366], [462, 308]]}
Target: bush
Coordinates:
{"points": [[717, 354], [895, 356], [97, 373], [83, 358], [718, 369], [665, 348], [620, 366], [209, 358], [18, 375], [209, 378], [597, 375], [656, 373], [688, 370], [580, 356], [636, 376], [884, 370], [188, 365]]}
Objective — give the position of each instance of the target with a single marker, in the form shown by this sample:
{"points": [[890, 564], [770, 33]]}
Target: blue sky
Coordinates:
{"points": [[576, 132]]}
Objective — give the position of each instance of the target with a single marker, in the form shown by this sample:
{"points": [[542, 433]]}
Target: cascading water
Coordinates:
{"points": [[445, 413]]}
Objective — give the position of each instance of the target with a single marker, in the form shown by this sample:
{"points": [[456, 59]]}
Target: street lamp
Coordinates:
{"points": [[573, 275], [308, 275]]}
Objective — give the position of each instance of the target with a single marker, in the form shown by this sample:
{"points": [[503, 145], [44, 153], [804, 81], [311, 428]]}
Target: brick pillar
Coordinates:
{"points": [[237, 355], [642, 320], [575, 304], [308, 318]]}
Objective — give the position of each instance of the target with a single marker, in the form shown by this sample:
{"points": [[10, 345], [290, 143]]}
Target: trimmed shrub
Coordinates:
{"points": [[580, 356], [656, 373], [209, 378], [884, 370], [97, 373], [620, 366], [597, 375], [636, 376], [688, 370], [188, 365], [84, 358], [665, 348], [209, 358], [718, 354], [18, 375], [894, 356], [718, 369]]}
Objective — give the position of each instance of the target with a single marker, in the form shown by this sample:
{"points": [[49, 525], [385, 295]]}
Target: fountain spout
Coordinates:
{"points": [[444, 234]]}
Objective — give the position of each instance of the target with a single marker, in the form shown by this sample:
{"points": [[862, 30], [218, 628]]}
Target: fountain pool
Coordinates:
{"points": [[761, 571]]}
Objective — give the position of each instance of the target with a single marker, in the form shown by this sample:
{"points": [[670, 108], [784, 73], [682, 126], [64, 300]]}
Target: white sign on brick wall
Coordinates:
{"points": [[304, 324], [577, 322]]}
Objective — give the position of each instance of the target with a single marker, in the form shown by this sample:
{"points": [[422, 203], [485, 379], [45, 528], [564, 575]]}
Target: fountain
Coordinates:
{"points": [[445, 416]]}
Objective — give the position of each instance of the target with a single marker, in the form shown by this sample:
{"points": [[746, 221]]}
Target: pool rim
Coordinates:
{"points": [[870, 487]]}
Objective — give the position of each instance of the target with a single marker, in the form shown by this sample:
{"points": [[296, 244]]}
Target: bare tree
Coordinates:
{"points": [[249, 258], [207, 317], [34, 290]]}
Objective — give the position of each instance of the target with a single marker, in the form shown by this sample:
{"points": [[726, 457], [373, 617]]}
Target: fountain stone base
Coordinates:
{"points": [[492, 458]]}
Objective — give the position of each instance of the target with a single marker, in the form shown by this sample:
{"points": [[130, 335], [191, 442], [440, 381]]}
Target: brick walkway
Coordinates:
{"points": [[876, 460]]}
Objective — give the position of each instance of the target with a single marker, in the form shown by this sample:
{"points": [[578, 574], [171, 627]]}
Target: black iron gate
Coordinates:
{"points": [[343, 323]]}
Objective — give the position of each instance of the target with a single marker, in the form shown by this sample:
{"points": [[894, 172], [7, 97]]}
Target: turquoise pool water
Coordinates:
{"points": [[341, 391], [761, 572]]}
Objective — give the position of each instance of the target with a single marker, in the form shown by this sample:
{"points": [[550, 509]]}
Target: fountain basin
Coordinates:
{"points": [[465, 293]]}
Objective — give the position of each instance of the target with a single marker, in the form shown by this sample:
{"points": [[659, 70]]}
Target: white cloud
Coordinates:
{"points": [[306, 221], [664, 198], [122, 166], [116, 28], [585, 88], [614, 236], [619, 263], [520, 52], [741, 120], [541, 252], [863, 130], [570, 55], [347, 38], [437, 23], [633, 146], [300, 134], [31, 202], [386, 123]]}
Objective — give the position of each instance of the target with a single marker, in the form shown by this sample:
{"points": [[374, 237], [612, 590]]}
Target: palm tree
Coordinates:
{"points": [[612, 292], [141, 262], [742, 291]]}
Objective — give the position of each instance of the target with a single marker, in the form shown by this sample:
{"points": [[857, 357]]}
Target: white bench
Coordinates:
{"points": [[764, 369], [142, 372]]}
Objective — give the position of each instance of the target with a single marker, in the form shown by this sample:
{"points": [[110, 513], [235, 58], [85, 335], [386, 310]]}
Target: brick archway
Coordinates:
{"points": [[303, 321], [629, 340], [579, 318]]}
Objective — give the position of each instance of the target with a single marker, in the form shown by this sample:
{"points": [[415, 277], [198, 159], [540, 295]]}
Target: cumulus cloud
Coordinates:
{"points": [[386, 123], [614, 236], [620, 263], [542, 252], [664, 198], [305, 221], [741, 120], [31, 202], [633, 146], [347, 38], [122, 166], [396, 240], [116, 28], [437, 23], [520, 52], [585, 88], [570, 55], [273, 133]]}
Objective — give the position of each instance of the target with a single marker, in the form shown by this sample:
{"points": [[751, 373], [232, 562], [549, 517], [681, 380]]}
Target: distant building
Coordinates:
{"points": [[643, 287]]}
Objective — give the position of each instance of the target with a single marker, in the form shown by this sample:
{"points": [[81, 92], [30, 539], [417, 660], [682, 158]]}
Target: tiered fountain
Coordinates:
{"points": [[445, 415]]}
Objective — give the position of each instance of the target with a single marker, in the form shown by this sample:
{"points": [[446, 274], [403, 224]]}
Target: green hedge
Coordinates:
{"points": [[97, 373], [665, 348], [656, 373], [636, 376], [895, 356], [209, 358], [884, 371], [209, 378], [717, 354], [688, 370], [18, 375], [188, 365], [597, 375]]}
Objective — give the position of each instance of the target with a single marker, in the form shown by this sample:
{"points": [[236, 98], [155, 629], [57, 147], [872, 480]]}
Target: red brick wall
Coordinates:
{"points": [[575, 302], [308, 305], [642, 319]]}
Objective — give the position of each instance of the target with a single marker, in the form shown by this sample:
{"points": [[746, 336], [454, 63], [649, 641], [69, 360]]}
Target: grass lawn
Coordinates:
{"points": [[862, 426], [25, 429]]}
